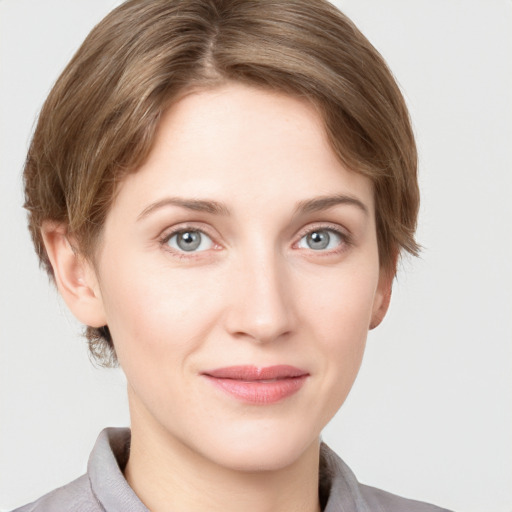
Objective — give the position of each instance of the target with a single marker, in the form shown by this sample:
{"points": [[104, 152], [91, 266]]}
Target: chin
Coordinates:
{"points": [[267, 450]]}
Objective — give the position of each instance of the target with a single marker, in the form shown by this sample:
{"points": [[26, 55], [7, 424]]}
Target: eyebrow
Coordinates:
{"points": [[325, 202], [214, 207], [197, 205]]}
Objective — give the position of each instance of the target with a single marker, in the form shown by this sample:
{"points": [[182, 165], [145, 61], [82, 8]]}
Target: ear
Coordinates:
{"points": [[74, 276], [383, 295]]}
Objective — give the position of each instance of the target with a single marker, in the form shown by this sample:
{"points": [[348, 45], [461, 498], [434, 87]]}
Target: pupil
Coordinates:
{"points": [[189, 241], [318, 240]]}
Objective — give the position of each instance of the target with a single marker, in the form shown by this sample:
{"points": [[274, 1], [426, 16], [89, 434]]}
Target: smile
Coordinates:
{"points": [[256, 385]]}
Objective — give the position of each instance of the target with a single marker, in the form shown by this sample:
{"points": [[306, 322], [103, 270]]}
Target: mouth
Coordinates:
{"points": [[258, 385]]}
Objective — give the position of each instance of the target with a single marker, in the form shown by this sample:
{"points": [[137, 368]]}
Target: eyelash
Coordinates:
{"points": [[164, 239], [346, 239]]}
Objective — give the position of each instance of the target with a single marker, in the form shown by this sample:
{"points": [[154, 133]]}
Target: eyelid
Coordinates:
{"points": [[343, 233], [166, 234], [177, 228], [200, 227], [317, 226]]}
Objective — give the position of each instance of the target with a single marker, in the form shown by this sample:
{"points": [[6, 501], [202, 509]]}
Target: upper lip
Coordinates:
{"points": [[255, 373]]}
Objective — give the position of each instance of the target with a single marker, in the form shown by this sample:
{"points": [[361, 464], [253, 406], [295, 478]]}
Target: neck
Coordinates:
{"points": [[168, 475]]}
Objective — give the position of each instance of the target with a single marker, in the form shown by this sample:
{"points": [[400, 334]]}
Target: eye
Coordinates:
{"points": [[190, 241], [321, 240]]}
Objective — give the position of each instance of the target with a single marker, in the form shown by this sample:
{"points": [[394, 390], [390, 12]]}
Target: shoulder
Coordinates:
{"points": [[341, 491], [383, 501], [76, 495], [102, 488]]}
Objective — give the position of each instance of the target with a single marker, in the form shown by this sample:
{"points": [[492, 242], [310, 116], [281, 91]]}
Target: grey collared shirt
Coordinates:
{"points": [[104, 489]]}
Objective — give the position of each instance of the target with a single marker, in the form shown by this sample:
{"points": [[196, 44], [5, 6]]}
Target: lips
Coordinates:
{"points": [[258, 385]]}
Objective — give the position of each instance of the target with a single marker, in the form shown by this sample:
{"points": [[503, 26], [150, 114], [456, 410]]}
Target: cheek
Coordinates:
{"points": [[158, 321], [155, 313], [341, 302], [339, 319]]}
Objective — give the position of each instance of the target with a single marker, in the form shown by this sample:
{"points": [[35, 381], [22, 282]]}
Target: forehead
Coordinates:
{"points": [[242, 145]]}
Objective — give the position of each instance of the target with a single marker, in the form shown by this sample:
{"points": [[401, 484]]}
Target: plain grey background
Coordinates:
{"points": [[430, 416]]}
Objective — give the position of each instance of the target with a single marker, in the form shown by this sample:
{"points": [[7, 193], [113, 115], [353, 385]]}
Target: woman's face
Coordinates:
{"points": [[238, 274]]}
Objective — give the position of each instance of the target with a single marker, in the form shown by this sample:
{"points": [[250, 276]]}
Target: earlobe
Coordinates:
{"points": [[74, 276], [381, 306], [382, 296]]}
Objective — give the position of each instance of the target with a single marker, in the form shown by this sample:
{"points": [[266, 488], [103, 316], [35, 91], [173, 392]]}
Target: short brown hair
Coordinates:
{"points": [[100, 119]]}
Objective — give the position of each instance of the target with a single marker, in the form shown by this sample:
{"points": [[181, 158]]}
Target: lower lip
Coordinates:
{"points": [[259, 392]]}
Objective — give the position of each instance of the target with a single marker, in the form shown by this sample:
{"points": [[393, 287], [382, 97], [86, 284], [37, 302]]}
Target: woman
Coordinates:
{"points": [[221, 191]]}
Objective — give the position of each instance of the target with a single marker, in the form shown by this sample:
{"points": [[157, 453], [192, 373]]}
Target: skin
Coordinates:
{"points": [[255, 292]]}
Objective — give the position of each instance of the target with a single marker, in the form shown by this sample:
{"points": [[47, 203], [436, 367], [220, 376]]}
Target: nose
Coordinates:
{"points": [[261, 306]]}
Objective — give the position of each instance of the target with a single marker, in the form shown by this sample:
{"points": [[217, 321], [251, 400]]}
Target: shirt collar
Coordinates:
{"points": [[338, 484], [105, 470]]}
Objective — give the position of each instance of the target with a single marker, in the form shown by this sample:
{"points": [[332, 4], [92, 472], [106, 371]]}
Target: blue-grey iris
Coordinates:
{"points": [[188, 240], [318, 240]]}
